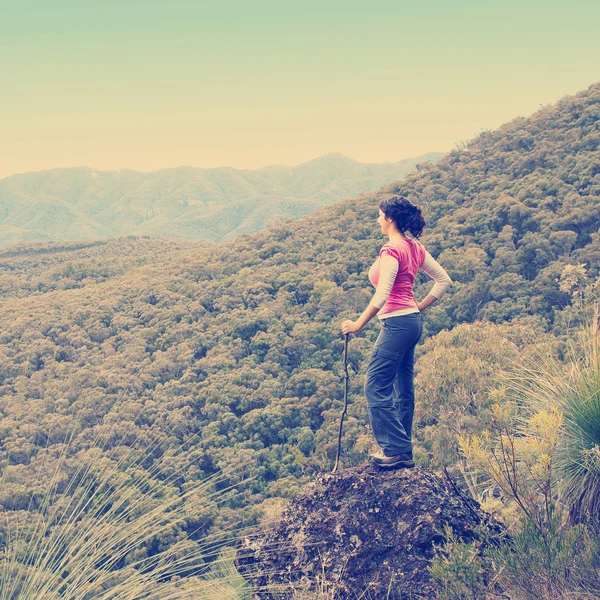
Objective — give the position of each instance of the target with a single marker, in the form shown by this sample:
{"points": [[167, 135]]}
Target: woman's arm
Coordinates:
{"points": [[441, 278], [388, 269]]}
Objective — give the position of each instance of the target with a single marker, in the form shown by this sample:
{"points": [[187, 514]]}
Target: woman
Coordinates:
{"points": [[389, 381]]}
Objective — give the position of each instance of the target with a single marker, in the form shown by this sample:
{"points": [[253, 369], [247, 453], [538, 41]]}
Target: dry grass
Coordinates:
{"points": [[115, 529]]}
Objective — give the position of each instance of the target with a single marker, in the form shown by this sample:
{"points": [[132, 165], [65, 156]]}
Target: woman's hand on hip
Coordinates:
{"points": [[350, 327]]}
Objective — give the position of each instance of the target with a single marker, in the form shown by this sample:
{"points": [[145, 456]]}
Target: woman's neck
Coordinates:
{"points": [[395, 234]]}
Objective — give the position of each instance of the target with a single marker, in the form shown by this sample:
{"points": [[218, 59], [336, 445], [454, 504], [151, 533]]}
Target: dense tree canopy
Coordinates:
{"points": [[238, 346]]}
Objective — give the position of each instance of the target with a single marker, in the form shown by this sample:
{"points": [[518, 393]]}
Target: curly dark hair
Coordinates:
{"points": [[405, 215]]}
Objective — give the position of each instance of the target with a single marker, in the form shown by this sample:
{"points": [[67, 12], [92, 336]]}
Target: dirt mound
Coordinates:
{"points": [[358, 533]]}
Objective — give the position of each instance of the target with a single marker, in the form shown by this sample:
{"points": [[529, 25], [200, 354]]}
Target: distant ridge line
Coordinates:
{"points": [[425, 156], [81, 203]]}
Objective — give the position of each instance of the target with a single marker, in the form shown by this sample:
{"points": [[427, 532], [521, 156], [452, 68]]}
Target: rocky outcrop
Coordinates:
{"points": [[361, 532]]}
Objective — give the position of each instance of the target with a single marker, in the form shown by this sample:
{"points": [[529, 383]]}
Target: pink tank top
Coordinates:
{"points": [[410, 255]]}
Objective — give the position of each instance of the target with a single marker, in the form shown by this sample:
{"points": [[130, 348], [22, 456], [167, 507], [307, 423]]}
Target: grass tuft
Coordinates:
{"points": [[123, 525]]}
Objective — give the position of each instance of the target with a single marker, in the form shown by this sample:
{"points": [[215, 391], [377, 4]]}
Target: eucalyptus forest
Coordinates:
{"points": [[233, 351]]}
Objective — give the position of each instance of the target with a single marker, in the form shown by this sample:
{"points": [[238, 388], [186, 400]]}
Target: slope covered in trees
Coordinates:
{"points": [[240, 344], [515, 205]]}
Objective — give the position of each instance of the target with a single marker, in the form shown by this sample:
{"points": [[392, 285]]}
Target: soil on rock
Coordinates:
{"points": [[361, 532]]}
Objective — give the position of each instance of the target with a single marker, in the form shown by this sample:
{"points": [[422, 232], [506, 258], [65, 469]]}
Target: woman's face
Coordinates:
{"points": [[383, 222]]}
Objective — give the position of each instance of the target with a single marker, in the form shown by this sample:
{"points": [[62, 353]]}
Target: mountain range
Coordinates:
{"points": [[211, 205]]}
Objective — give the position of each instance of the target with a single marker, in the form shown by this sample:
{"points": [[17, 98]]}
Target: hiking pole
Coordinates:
{"points": [[346, 379]]}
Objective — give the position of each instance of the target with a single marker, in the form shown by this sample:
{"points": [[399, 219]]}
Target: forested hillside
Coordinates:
{"points": [[186, 203], [32, 269], [240, 343]]}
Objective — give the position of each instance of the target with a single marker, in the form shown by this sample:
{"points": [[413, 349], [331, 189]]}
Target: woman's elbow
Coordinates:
{"points": [[446, 284]]}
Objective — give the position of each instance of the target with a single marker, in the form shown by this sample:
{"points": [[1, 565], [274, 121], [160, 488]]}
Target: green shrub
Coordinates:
{"points": [[460, 568], [558, 561]]}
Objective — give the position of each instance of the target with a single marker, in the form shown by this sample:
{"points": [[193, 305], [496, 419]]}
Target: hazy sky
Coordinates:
{"points": [[147, 85]]}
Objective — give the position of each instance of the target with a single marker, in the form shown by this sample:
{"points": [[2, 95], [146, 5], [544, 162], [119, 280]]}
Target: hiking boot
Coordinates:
{"points": [[398, 461]]}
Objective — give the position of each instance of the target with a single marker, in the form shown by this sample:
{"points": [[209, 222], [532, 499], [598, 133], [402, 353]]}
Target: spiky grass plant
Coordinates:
{"points": [[572, 387], [116, 526], [578, 467], [541, 453]]}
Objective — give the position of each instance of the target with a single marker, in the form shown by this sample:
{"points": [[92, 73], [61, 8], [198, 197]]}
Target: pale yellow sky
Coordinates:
{"points": [[131, 85]]}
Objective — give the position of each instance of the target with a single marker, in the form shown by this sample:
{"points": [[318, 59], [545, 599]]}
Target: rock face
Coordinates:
{"points": [[361, 532]]}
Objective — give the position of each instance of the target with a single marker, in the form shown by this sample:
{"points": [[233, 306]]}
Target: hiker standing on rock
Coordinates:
{"points": [[389, 385]]}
